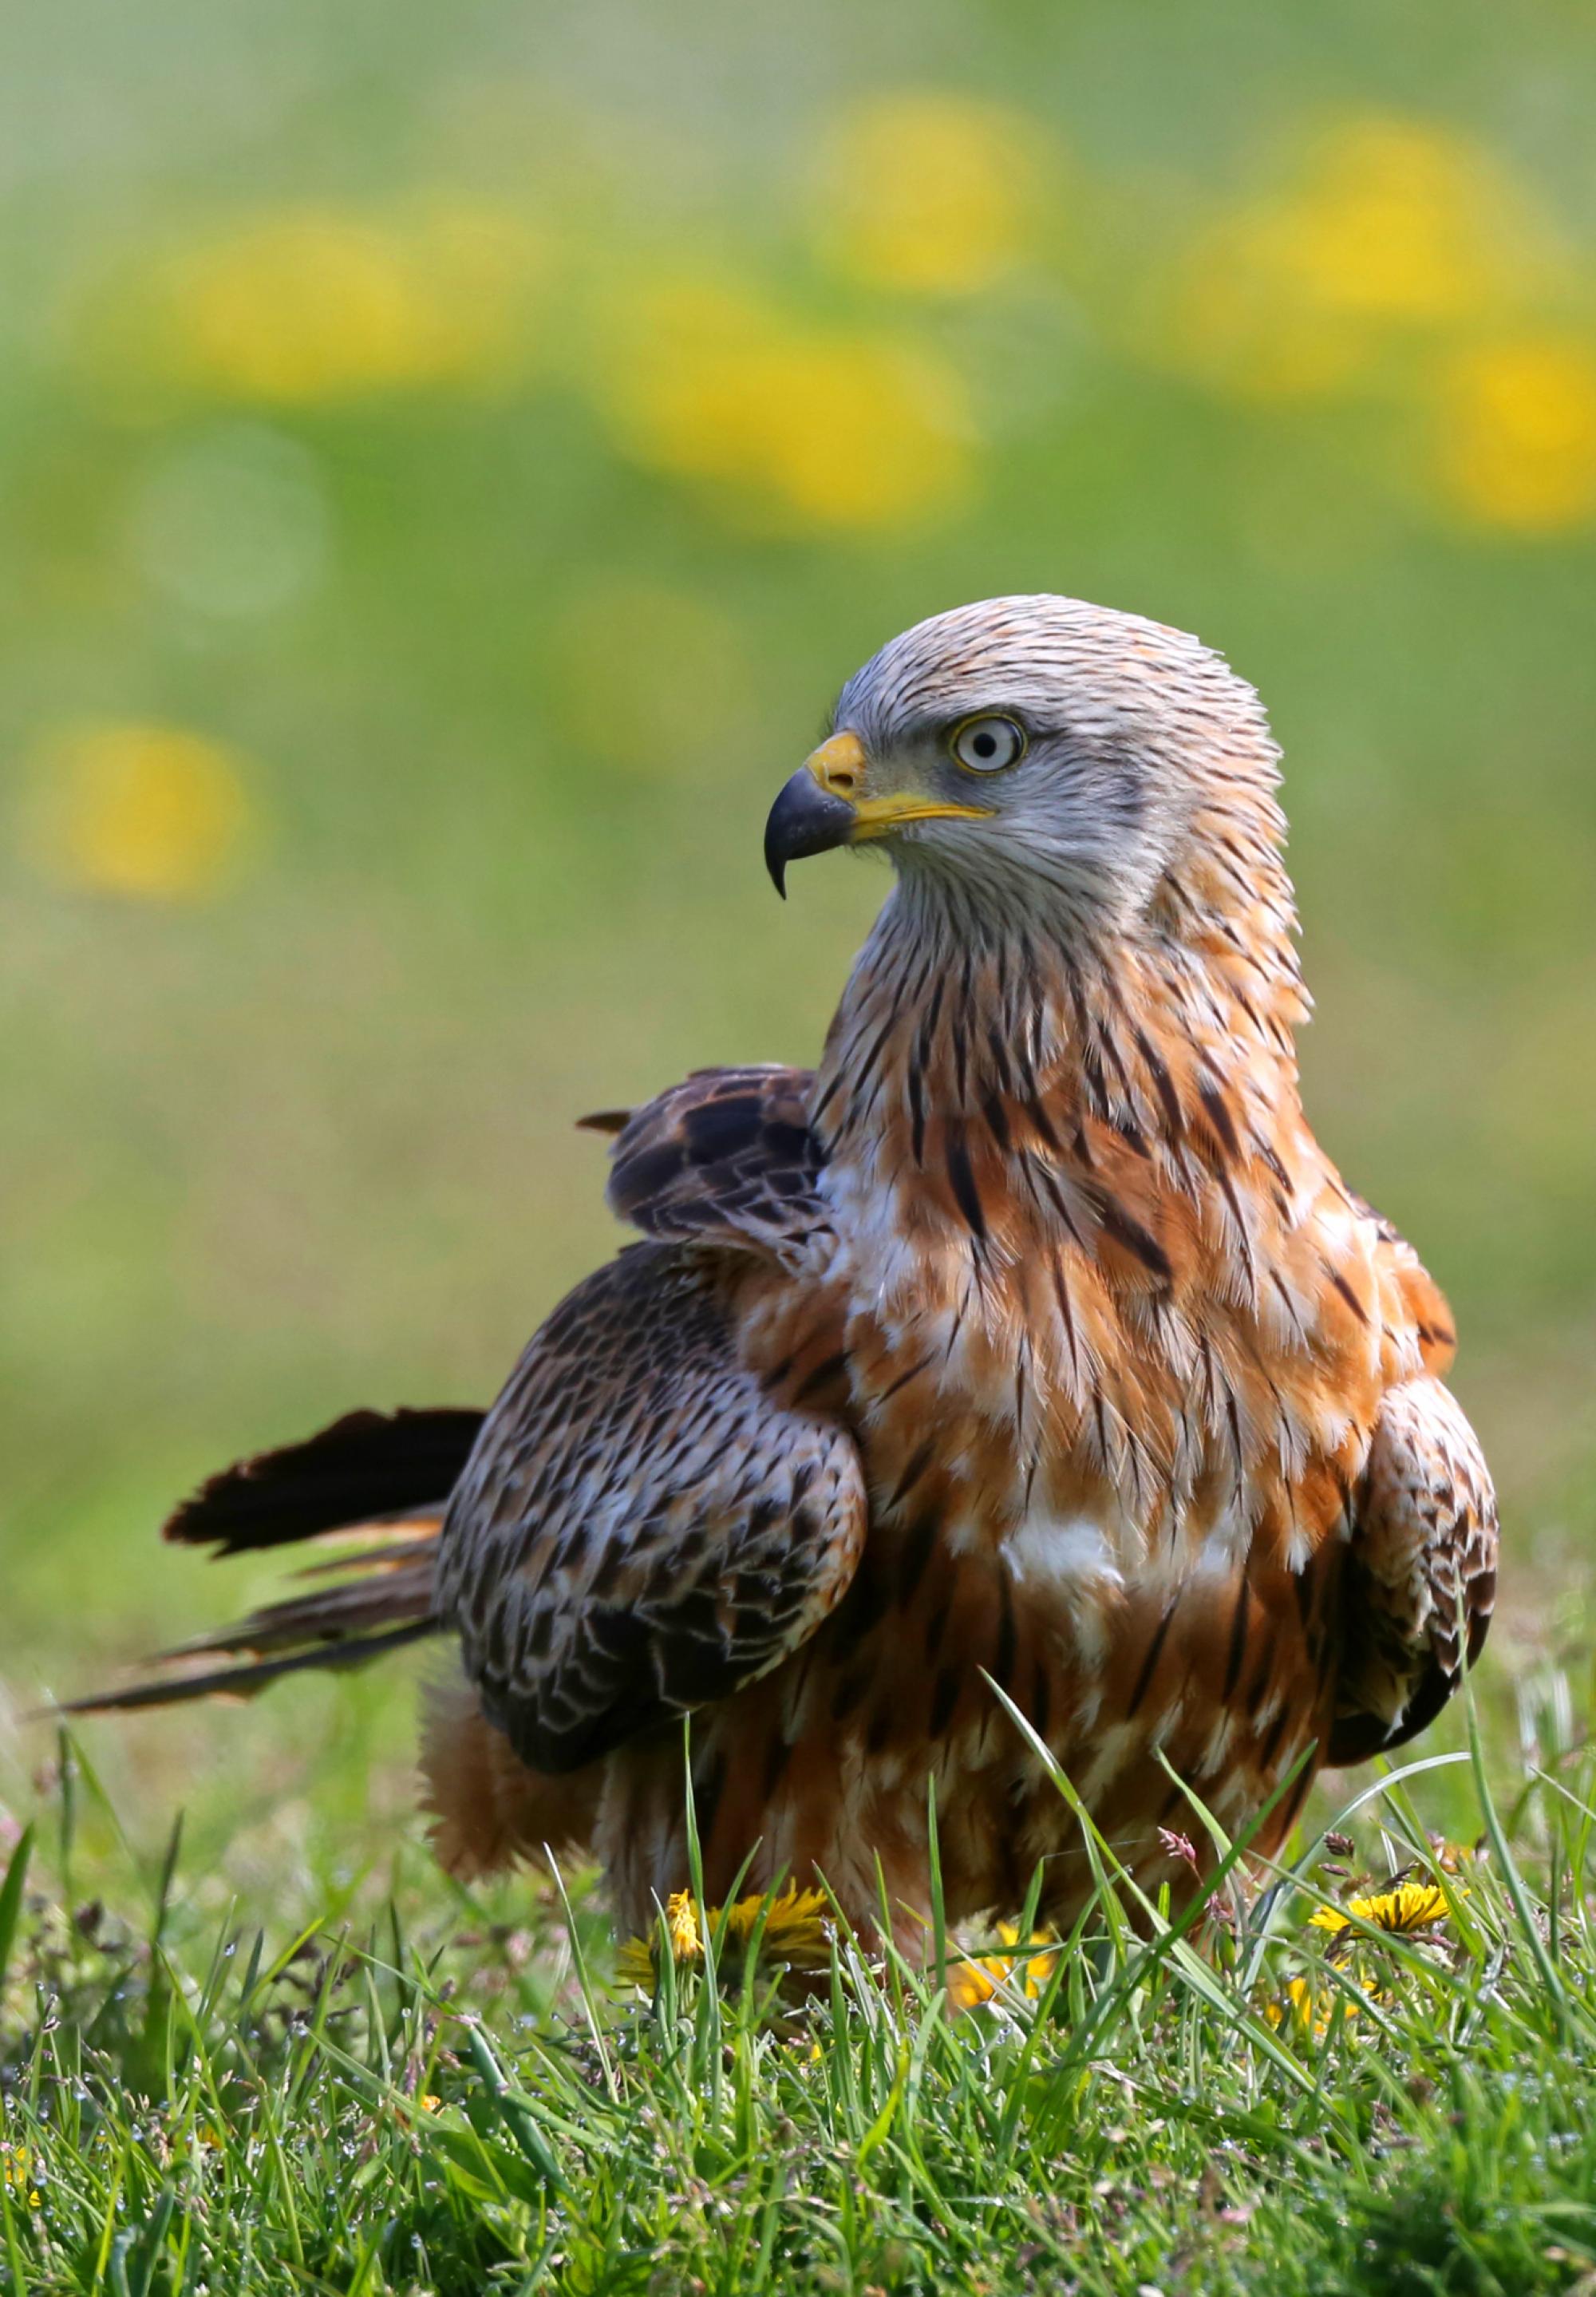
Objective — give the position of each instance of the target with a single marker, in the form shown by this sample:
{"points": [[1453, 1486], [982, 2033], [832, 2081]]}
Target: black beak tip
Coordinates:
{"points": [[804, 819]]}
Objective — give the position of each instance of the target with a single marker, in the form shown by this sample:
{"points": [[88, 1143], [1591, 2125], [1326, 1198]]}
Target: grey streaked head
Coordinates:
{"points": [[1038, 751]]}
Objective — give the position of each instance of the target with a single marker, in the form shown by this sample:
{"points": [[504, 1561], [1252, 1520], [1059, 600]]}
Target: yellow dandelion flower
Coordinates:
{"points": [[971, 1982], [794, 1937], [1402, 218], [1516, 433], [295, 309], [795, 1928], [16, 2172], [931, 192], [483, 271], [309, 305], [1310, 2009], [681, 1927], [799, 426], [1231, 324], [148, 810], [1387, 225], [689, 696], [1411, 1906], [634, 1963]]}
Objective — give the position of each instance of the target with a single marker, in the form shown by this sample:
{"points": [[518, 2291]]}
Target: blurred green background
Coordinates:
{"points": [[449, 458]]}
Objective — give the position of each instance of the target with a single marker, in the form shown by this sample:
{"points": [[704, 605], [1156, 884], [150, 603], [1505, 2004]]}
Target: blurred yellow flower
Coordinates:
{"points": [[652, 678], [1402, 219], [1238, 328], [1314, 2008], [150, 811], [795, 1934], [812, 427], [1517, 432], [302, 306], [16, 2171], [931, 192], [970, 1983], [1387, 225]]}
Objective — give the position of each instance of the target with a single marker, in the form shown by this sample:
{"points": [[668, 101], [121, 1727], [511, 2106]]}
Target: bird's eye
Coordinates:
{"points": [[986, 745]]}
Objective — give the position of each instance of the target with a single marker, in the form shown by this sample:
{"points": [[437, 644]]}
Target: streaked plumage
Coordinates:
{"points": [[1033, 1337]]}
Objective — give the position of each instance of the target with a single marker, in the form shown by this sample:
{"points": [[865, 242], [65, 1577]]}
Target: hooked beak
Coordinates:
{"points": [[821, 807]]}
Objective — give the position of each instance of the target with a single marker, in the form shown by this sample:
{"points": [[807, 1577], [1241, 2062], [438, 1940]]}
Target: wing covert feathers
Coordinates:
{"points": [[641, 1530], [1044, 1278], [726, 1157], [1422, 1577]]}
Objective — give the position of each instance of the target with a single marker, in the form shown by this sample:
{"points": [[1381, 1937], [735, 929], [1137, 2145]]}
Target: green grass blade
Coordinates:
{"points": [[11, 1900]]}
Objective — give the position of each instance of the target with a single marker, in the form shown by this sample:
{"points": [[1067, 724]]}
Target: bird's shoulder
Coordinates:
{"points": [[727, 1157], [1419, 1297], [1352, 1257], [642, 1525]]}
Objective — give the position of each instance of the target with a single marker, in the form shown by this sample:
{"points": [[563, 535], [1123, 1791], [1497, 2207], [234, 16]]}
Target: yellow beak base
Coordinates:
{"points": [[838, 769], [824, 806]]}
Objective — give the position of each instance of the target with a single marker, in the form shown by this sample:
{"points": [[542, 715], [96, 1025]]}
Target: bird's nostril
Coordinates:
{"points": [[838, 767], [840, 781]]}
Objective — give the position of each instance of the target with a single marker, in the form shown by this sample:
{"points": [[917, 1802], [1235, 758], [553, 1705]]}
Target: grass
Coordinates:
{"points": [[503, 681], [407, 2088]]}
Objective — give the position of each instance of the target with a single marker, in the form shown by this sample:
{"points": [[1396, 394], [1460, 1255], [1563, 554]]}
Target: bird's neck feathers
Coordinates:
{"points": [[1022, 1017]]}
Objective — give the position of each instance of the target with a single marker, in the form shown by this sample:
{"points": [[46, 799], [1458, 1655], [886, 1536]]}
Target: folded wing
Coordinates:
{"points": [[640, 1529], [1422, 1577]]}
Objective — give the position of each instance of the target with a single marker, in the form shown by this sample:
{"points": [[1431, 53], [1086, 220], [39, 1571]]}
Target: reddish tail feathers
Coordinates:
{"points": [[380, 1480]]}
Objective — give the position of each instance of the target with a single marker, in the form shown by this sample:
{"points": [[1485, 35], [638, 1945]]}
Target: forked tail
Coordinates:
{"points": [[380, 1481]]}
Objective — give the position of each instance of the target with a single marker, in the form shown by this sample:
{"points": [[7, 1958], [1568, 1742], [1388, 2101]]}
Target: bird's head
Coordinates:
{"points": [[1038, 754]]}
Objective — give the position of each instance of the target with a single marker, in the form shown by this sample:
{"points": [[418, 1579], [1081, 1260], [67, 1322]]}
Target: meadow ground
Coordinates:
{"points": [[448, 459], [1374, 2078]]}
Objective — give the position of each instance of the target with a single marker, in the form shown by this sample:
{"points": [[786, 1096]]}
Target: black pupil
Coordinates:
{"points": [[986, 746]]}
